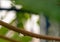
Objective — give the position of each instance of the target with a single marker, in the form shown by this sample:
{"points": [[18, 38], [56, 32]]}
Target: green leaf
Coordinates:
{"points": [[3, 30], [50, 8], [26, 39], [3, 40], [22, 38], [22, 18], [32, 5]]}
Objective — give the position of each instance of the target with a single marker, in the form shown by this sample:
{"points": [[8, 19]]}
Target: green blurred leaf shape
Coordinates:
{"points": [[3, 30], [3, 40], [22, 38], [50, 8], [22, 18]]}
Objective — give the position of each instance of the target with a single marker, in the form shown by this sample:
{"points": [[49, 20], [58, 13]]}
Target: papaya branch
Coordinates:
{"points": [[46, 37], [9, 39]]}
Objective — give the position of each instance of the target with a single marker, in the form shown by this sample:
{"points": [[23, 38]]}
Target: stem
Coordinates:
{"points": [[29, 33]]}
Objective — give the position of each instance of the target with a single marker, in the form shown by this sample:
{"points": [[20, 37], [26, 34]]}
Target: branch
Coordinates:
{"points": [[17, 10], [6, 38], [29, 33]]}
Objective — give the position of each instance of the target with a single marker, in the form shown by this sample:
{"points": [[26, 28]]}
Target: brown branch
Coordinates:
{"points": [[9, 39], [29, 33]]}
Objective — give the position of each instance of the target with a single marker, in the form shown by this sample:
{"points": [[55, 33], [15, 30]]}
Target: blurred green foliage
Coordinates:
{"points": [[22, 18], [3, 40], [3, 30], [50, 8], [21, 38]]}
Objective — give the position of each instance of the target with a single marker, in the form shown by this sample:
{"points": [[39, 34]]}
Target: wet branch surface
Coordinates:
{"points": [[24, 32]]}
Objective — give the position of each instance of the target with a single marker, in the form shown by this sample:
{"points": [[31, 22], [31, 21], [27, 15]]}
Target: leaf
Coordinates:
{"points": [[22, 38], [31, 5], [50, 8], [22, 18], [26, 39], [3, 31], [3, 40]]}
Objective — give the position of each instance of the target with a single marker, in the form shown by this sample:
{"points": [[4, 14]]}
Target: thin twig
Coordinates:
{"points": [[9, 39], [29, 33], [17, 10]]}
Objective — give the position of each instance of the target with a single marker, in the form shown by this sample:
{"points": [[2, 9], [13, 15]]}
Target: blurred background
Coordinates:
{"points": [[35, 23]]}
